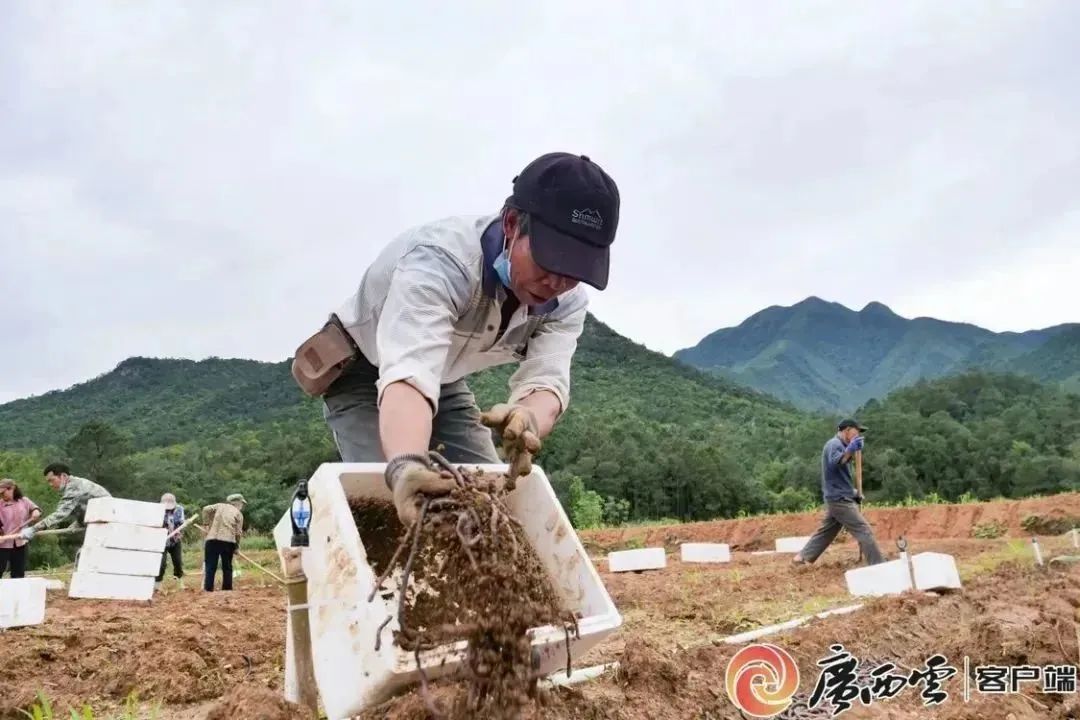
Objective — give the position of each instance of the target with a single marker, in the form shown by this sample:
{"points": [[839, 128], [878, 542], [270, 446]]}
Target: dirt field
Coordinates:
{"points": [[211, 656], [930, 521]]}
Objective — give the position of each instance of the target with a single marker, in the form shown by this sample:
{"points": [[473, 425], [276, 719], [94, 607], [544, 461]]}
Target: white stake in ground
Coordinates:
{"points": [[1038, 552]]}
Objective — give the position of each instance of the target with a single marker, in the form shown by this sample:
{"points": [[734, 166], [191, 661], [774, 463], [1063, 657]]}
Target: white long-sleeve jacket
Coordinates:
{"points": [[428, 311]]}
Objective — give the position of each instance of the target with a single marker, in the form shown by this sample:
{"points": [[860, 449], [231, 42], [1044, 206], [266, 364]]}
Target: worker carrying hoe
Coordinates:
{"points": [[452, 297], [842, 500]]}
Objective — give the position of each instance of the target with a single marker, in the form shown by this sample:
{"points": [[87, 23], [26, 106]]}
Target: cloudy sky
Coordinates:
{"points": [[213, 179]]}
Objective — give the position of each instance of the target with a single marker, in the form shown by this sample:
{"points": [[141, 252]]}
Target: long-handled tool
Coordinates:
{"points": [[858, 487], [184, 526]]}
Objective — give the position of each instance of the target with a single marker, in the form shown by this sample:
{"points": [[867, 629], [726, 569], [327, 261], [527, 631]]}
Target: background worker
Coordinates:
{"points": [[450, 298], [842, 499], [224, 527], [16, 511], [174, 518], [75, 493]]}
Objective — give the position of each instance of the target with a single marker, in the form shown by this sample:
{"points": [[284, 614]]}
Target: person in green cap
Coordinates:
{"points": [[224, 527]]}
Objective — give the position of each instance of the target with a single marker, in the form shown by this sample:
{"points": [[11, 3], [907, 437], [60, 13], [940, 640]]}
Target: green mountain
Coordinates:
{"points": [[1056, 360], [160, 402], [823, 356]]}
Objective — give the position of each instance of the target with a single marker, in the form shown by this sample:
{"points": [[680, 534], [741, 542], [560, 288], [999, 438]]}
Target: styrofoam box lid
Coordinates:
{"points": [[133, 512], [887, 578], [652, 558], [791, 544], [934, 571], [22, 602], [705, 552]]}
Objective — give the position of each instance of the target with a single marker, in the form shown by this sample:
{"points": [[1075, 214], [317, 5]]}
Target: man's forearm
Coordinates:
{"points": [[404, 421], [546, 407]]}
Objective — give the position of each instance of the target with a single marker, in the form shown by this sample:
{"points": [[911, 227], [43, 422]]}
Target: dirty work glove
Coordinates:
{"points": [[855, 445], [27, 533], [412, 480], [517, 426], [858, 499]]}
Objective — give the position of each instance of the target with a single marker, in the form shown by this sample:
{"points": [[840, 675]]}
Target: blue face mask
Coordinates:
{"points": [[502, 267]]}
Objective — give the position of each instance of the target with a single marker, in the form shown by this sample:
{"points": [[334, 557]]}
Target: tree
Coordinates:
{"points": [[102, 454], [586, 506]]}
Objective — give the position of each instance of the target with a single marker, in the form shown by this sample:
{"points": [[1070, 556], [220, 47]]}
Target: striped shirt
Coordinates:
{"points": [[428, 312]]}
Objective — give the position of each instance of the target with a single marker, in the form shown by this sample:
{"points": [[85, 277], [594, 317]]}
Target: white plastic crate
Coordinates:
{"points": [[887, 578], [654, 558], [350, 673], [22, 602], [705, 552], [935, 571], [119, 510], [791, 544]]}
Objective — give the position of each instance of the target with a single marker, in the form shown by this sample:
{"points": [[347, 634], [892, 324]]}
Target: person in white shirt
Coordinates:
{"points": [[453, 297]]}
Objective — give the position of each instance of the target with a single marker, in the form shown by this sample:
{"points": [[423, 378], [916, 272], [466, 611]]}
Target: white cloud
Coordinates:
{"points": [[212, 179]]}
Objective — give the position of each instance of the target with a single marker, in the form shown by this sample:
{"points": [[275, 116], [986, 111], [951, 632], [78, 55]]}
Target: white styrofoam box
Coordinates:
{"points": [[934, 571], [101, 586], [22, 602], [350, 673], [653, 558], [885, 578], [111, 561], [123, 536], [791, 544], [705, 552], [119, 510], [292, 684]]}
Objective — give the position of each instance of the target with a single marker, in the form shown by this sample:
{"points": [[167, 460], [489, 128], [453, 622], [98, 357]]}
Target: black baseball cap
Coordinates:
{"points": [[848, 423], [573, 208]]}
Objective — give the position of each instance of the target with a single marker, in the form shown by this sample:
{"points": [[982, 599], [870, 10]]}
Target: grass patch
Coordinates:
{"points": [[752, 616], [42, 709], [1013, 550], [989, 530]]}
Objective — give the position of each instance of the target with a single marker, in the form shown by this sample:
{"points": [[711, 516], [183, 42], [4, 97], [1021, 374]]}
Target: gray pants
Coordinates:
{"points": [[843, 514], [351, 412]]}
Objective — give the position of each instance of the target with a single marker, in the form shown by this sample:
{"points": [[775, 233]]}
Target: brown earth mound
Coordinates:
{"points": [[256, 702], [183, 647], [1048, 515]]}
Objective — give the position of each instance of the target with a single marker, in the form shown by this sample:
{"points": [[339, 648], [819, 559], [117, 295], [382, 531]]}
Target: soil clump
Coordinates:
{"points": [[255, 702]]}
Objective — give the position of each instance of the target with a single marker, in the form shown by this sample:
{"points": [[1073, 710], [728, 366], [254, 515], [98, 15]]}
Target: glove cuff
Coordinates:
{"points": [[397, 462]]}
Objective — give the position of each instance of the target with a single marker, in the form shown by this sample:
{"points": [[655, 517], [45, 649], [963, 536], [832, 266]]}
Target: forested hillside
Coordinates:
{"points": [[645, 437], [987, 435], [823, 356], [1056, 361], [641, 427]]}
